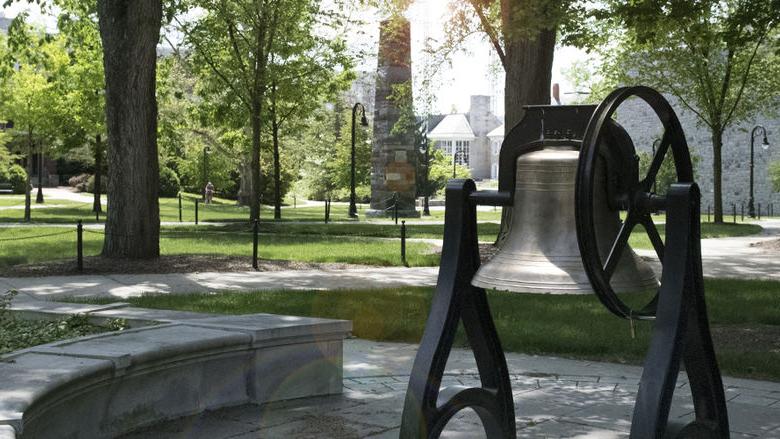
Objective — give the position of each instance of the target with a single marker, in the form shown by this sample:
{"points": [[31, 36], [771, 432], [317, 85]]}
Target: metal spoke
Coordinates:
{"points": [[658, 160], [621, 241], [655, 237]]}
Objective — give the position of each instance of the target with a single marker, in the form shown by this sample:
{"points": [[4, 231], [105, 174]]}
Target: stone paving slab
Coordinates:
{"points": [[554, 398]]}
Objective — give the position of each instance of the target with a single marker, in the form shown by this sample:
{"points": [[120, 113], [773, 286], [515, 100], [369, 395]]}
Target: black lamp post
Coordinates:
{"points": [[206, 151], [656, 143], [455, 160], [426, 158], [363, 122], [765, 145]]}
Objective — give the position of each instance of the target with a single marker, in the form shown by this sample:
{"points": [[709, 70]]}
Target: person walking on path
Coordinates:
{"points": [[209, 192]]}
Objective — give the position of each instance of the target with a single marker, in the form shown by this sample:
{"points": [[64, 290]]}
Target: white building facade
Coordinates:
{"points": [[466, 137]]}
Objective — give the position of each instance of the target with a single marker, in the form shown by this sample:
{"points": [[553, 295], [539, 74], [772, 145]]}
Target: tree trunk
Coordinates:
{"points": [[28, 183], [254, 202], [528, 74], [96, 205], [39, 195], [130, 32], [528, 68], [717, 146], [277, 165]]}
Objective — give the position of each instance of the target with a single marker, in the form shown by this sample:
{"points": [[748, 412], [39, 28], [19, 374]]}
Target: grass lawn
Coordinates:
{"points": [[568, 326], [358, 243], [59, 243], [222, 210]]}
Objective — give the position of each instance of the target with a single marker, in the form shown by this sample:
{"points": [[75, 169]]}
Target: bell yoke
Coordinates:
{"points": [[568, 174]]}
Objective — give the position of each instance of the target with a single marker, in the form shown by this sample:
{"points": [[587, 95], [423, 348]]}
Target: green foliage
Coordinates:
{"points": [[18, 334], [719, 59], [667, 175], [169, 182], [263, 68], [441, 171], [324, 147], [774, 172], [17, 176]]}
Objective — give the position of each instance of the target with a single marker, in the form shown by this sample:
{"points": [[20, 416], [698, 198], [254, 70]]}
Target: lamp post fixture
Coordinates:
{"points": [[363, 122], [424, 151], [206, 151], [765, 146]]}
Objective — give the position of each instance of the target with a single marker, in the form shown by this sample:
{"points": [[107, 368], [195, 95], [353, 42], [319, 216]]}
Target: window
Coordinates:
{"points": [[446, 146], [462, 151]]}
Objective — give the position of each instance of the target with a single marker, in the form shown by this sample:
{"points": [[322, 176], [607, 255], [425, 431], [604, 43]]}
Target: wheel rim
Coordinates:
{"points": [[640, 200]]}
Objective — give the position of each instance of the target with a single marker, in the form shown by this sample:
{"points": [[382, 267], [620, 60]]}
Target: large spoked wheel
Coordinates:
{"points": [[634, 195]]}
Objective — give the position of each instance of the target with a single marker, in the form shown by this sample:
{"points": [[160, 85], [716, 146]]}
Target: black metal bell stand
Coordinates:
{"points": [[681, 332]]}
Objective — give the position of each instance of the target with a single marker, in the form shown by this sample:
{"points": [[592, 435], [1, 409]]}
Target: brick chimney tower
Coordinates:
{"points": [[393, 157]]}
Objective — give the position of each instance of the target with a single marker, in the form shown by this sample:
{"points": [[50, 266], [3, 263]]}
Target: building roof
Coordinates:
{"points": [[498, 132], [453, 127]]}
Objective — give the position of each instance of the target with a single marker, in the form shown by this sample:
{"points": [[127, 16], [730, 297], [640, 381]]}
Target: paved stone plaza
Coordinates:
{"points": [[554, 398]]}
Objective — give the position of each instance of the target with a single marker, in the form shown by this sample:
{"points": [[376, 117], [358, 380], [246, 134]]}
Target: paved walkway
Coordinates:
{"points": [[724, 257], [129, 285], [554, 398]]}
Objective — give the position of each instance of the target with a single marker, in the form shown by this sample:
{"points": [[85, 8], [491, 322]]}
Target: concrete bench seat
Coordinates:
{"points": [[105, 385]]}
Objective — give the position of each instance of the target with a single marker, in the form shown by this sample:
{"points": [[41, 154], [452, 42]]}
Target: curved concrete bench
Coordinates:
{"points": [[105, 385]]}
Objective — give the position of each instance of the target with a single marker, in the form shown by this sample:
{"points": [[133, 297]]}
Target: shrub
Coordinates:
{"points": [[19, 334], [17, 176], [78, 180], [169, 182], [3, 174], [774, 172]]}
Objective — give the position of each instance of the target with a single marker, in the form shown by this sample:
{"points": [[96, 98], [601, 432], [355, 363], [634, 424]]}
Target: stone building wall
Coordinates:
{"points": [[642, 125]]}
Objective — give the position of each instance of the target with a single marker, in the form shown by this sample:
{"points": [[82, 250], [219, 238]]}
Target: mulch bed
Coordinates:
{"points": [[163, 264]]}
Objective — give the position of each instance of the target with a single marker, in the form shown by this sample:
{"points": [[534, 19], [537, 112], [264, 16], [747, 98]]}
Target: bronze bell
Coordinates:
{"points": [[540, 252]]}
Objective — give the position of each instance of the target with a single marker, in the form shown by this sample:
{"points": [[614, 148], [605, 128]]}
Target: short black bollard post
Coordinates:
{"points": [[734, 210], [255, 230], [295, 202], [403, 243], [80, 246], [327, 210], [742, 212], [196, 211], [759, 210], [708, 213], [179, 206]]}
